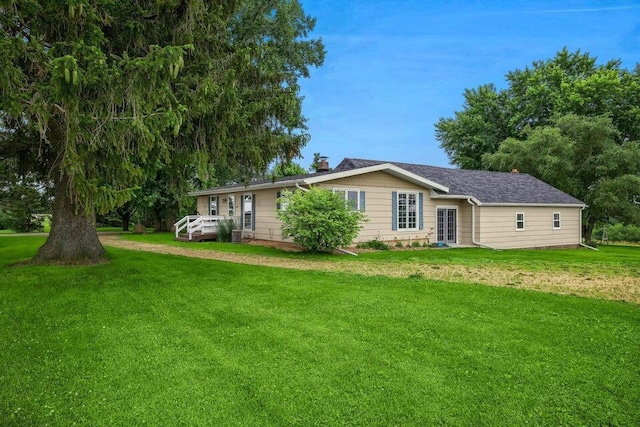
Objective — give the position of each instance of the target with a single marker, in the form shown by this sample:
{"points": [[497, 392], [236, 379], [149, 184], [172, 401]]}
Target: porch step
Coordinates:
{"points": [[197, 237]]}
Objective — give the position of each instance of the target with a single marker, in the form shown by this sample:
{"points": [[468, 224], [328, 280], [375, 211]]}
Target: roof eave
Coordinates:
{"points": [[385, 167], [262, 186]]}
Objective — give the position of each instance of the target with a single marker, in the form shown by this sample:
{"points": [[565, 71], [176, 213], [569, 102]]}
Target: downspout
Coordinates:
{"points": [[582, 244], [473, 227], [301, 188]]}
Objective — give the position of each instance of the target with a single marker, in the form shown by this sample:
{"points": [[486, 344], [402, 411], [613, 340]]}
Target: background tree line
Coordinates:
{"points": [[568, 121]]}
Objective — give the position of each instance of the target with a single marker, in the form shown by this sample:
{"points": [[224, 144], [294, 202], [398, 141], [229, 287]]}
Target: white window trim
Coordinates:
{"points": [[346, 190], [523, 221], [553, 217], [435, 228], [417, 193]]}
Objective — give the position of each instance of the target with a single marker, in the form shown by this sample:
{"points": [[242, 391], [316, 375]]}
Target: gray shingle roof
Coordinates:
{"points": [[485, 186]]}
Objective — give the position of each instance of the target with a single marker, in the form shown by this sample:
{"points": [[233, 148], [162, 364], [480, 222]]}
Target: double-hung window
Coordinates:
{"points": [[556, 220], [353, 198], [407, 210], [213, 205], [520, 221]]}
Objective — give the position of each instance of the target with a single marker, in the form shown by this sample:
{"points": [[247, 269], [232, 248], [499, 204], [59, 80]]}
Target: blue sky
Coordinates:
{"points": [[393, 68]]}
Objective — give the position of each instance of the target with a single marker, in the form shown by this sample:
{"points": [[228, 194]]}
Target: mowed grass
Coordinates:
{"points": [[163, 340], [612, 260]]}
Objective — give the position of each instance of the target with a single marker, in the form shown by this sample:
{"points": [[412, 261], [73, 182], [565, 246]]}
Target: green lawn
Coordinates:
{"points": [[162, 340], [622, 260]]}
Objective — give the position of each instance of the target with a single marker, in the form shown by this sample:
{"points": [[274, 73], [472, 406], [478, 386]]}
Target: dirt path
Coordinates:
{"points": [[591, 285]]}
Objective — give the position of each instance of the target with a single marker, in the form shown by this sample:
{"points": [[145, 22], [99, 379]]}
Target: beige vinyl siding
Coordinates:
{"points": [[498, 227], [464, 223], [378, 187]]}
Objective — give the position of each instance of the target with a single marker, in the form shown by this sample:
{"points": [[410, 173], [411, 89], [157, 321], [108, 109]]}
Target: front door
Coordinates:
{"points": [[446, 226]]}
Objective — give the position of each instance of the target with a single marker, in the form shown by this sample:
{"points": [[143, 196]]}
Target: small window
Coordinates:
{"points": [[232, 205], [520, 221], [281, 204], [556, 220], [351, 197], [213, 205]]}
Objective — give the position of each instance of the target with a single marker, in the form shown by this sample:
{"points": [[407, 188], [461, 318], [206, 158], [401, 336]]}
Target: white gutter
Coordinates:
{"points": [[301, 188], [473, 226]]}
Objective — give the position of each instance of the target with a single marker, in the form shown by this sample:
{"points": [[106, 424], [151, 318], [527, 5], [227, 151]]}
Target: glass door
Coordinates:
{"points": [[446, 227]]}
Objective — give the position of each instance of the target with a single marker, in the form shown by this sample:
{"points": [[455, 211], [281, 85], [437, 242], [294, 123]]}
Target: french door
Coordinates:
{"points": [[446, 229]]}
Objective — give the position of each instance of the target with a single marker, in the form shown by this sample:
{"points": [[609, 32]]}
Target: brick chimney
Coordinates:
{"points": [[323, 164]]}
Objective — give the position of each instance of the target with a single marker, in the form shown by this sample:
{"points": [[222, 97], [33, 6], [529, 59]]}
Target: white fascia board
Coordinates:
{"points": [[435, 195], [386, 167], [539, 205], [250, 187]]}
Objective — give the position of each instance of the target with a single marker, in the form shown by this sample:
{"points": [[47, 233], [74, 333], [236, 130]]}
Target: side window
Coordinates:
{"points": [[520, 221], [232, 204], [353, 198], [213, 205], [556, 220]]}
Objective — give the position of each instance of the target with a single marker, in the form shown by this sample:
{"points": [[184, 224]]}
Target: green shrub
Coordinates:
{"points": [[225, 227], [415, 244], [398, 244], [375, 244], [318, 219]]}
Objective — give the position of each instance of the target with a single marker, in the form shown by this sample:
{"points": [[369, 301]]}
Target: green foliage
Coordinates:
{"points": [[318, 219], [287, 169], [415, 244], [569, 83], [375, 244], [225, 229], [23, 199], [398, 244], [618, 232], [102, 96]]}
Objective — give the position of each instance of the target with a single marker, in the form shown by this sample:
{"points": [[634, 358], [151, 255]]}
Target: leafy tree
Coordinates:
{"points": [[318, 219], [581, 156], [480, 128], [107, 90], [287, 169], [569, 83]]}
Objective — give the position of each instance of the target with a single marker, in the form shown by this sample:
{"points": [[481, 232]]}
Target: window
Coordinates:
{"points": [[213, 205], [520, 221], [247, 210], [556, 220], [232, 204], [407, 211], [353, 198]]}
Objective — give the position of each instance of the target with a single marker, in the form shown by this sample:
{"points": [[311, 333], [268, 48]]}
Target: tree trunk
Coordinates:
{"points": [[126, 218], [587, 232], [73, 238]]}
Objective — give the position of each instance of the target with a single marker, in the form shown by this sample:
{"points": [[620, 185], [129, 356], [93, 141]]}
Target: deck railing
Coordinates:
{"points": [[198, 223]]}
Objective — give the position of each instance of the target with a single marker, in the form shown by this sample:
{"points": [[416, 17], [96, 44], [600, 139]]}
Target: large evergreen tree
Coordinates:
{"points": [[113, 89]]}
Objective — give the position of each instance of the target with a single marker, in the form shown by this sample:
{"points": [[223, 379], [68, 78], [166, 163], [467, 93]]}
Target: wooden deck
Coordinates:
{"points": [[197, 237]]}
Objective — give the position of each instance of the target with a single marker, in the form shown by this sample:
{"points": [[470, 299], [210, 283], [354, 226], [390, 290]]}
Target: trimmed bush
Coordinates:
{"points": [[375, 244], [318, 220], [225, 227]]}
